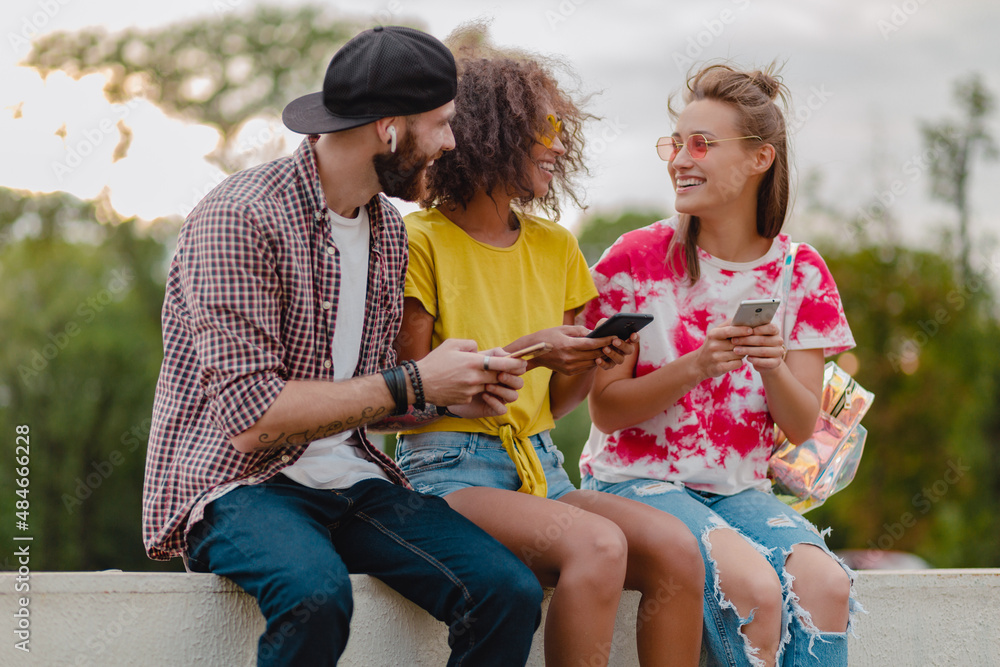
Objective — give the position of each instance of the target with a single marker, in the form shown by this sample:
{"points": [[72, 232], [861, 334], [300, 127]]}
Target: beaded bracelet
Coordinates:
{"points": [[418, 386], [395, 380]]}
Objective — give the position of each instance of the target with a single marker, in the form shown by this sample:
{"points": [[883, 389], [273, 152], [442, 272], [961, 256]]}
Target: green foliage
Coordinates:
{"points": [[219, 72], [78, 366], [598, 232], [927, 348]]}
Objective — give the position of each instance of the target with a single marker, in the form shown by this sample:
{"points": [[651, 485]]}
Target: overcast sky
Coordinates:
{"points": [[862, 74]]}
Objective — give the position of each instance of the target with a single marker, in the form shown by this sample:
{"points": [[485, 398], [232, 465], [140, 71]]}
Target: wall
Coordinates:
{"points": [[931, 617]]}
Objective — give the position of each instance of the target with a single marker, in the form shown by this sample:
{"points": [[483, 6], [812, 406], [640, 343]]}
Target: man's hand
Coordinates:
{"points": [[455, 373]]}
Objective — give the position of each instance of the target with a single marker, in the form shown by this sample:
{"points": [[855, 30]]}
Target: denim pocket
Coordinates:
{"points": [[434, 457]]}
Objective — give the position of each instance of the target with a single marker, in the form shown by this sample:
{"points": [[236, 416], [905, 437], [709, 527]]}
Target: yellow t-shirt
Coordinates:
{"points": [[494, 296]]}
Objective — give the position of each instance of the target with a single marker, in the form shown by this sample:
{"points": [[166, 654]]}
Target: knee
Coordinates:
{"points": [[678, 556], [309, 599], [508, 589], [684, 555], [757, 589], [826, 581], [599, 547]]}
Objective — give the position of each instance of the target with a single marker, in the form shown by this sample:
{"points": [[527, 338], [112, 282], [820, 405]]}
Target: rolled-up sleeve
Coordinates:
{"points": [[232, 290]]}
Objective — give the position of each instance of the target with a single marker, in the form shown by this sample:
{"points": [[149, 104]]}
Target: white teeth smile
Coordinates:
{"points": [[685, 182], [547, 166]]}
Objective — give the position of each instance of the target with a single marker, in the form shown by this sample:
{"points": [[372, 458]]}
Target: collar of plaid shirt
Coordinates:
{"points": [[251, 302]]}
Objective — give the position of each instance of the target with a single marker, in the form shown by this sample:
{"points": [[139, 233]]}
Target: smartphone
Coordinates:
{"points": [[532, 351], [621, 325], [755, 312]]}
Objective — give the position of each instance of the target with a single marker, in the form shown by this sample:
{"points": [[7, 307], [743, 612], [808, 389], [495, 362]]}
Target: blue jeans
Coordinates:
{"points": [[440, 462], [292, 548], [773, 528]]}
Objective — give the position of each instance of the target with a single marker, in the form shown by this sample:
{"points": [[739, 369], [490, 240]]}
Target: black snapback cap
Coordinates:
{"points": [[381, 72]]}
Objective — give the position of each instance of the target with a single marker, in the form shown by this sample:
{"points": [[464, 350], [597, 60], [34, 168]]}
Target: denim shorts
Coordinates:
{"points": [[774, 529], [439, 462]]}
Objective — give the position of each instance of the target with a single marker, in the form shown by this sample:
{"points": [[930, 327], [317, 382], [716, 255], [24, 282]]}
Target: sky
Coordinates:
{"points": [[863, 74]]}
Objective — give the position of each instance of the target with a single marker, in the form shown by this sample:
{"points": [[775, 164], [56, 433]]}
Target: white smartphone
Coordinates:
{"points": [[755, 312]]}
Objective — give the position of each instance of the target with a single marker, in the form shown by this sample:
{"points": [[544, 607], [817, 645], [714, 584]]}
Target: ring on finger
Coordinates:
{"points": [[486, 362]]}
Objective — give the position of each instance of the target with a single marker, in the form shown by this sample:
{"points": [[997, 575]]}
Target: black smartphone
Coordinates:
{"points": [[621, 325], [755, 312]]}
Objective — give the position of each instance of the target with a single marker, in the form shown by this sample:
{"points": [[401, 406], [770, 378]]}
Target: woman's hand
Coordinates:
{"points": [[572, 352], [763, 347], [717, 355]]}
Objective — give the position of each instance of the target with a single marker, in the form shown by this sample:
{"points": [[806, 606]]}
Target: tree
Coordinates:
{"points": [[957, 143], [598, 232], [78, 366], [80, 315], [219, 72], [926, 348]]}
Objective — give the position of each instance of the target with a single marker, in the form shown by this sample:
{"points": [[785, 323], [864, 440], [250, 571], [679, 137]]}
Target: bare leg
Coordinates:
{"points": [[822, 586], [749, 582], [665, 566], [581, 554]]}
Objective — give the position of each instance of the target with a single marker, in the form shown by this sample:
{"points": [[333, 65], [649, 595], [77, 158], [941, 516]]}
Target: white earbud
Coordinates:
{"points": [[392, 138]]}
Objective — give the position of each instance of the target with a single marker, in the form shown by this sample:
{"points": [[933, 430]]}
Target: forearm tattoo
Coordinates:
{"points": [[411, 419], [368, 415]]}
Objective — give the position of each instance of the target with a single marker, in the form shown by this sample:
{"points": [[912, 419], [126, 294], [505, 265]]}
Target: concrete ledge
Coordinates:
{"points": [[931, 617]]}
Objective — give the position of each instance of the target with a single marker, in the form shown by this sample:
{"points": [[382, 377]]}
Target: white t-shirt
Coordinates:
{"points": [[338, 462]]}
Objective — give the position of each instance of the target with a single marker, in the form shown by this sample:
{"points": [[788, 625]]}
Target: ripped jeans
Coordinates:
{"points": [[773, 528]]}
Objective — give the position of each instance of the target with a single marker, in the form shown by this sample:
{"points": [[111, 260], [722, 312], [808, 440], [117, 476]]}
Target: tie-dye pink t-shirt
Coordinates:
{"points": [[717, 437]]}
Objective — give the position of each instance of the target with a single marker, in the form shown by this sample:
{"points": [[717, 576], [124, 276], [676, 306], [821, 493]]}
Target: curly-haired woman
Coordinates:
{"points": [[482, 268]]}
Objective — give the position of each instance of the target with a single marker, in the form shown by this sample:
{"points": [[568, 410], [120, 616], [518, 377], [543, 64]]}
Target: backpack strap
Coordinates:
{"points": [[786, 286]]}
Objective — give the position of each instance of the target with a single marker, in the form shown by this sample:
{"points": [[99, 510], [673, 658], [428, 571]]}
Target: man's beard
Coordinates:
{"points": [[401, 174]]}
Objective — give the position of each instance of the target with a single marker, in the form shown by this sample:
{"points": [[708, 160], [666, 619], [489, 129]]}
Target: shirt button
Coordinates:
{"points": [[330, 250], [286, 458], [327, 364], [327, 305]]}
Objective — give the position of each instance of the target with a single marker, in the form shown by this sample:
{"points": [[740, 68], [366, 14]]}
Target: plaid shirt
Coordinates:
{"points": [[251, 302]]}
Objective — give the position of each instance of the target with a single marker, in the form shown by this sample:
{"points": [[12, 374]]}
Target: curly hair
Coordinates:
{"points": [[499, 112]]}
